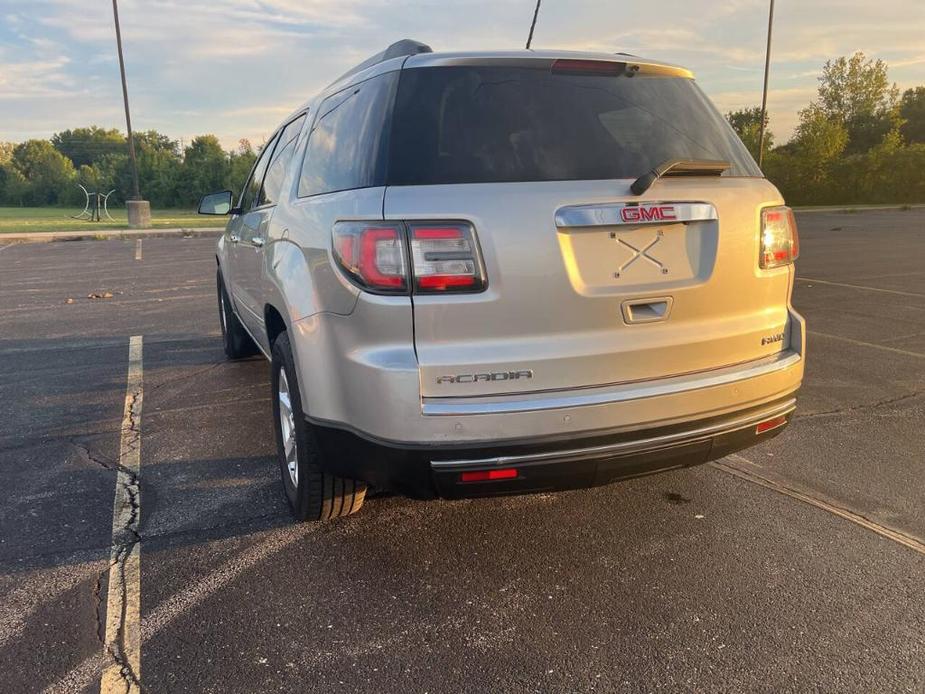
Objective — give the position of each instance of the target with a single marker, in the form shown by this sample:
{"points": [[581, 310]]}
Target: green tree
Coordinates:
{"points": [[912, 111], [855, 91], [13, 185], [6, 152], [85, 146], [205, 169], [50, 175], [747, 124], [802, 169], [159, 166], [93, 178], [241, 161]]}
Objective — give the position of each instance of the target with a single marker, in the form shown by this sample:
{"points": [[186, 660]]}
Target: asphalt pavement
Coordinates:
{"points": [[798, 565]]}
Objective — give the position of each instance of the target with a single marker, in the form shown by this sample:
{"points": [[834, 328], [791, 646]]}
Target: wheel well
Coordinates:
{"points": [[274, 323]]}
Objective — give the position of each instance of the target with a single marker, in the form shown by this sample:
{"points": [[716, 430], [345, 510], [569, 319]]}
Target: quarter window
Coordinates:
{"points": [[255, 182], [279, 163], [347, 146]]}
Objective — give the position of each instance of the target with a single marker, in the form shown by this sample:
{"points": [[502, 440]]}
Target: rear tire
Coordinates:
{"points": [[238, 344], [313, 494]]}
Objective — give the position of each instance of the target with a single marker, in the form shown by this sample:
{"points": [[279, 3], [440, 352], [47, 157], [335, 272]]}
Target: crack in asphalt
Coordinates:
{"points": [[860, 408], [187, 376]]}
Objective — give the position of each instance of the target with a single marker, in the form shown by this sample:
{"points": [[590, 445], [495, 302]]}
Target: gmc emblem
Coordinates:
{"points": [[655, 213]]}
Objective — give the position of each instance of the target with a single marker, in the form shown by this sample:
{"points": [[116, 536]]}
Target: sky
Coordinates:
{"points": [[235, 68]]}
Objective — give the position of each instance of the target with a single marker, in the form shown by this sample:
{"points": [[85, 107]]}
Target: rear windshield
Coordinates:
{"points": [[492, 124]]}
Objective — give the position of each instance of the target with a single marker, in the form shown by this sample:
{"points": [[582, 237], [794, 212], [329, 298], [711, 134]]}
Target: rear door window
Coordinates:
{"points": [[347, 144], [481, 124]]}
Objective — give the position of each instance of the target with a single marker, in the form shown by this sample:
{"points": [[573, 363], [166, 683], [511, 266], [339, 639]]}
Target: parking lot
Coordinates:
{"points": [[796, 565]]}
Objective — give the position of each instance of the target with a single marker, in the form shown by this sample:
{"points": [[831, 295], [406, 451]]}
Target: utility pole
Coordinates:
{"points": [[764, 93], [139, 211]]}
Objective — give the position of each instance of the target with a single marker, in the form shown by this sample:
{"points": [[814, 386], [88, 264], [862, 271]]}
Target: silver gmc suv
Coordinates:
{"points": [[504, 272]]}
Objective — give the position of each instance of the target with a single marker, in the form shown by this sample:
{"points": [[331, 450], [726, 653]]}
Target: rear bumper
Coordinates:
{"points": [[372, 386], [433, 471]]}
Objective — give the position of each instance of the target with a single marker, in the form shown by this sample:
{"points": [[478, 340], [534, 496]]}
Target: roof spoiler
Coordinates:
{"points": [[396, 50]]}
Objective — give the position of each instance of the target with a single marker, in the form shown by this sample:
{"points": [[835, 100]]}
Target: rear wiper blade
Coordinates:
{"points": [[679, 167]]}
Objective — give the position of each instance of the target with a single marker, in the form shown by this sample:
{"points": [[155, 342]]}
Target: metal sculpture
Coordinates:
{"points": [[100, 202]]}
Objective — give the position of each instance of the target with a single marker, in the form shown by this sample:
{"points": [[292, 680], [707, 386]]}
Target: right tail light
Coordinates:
{"points": [[780, 243], [445, 258], [427, 257]]}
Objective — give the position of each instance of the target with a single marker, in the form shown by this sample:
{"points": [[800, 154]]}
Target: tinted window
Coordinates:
{"points": [[255, 182], [279, 163], [347, 144], [485, 124]]}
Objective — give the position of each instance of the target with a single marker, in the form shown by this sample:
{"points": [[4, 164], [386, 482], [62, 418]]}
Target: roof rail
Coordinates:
{"points": [[396, 50]]}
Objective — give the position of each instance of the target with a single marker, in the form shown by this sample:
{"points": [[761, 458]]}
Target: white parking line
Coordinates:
{"points": [[896, 536], [122, 649], [859, 286], [138, 249], [861, 343]]}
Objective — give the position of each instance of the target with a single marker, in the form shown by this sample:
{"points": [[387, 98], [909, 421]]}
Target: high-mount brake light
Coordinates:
{"points": [[588, 67], [373, 255], [780, 242], [445, 258]]}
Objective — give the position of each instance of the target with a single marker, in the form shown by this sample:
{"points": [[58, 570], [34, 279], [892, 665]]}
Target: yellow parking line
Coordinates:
{"points": [[122, 649], [138, 249], [896, 536]]}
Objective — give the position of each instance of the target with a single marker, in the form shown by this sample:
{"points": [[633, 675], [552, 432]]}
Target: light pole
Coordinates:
{"points": [[139, 211], [764, 93]]}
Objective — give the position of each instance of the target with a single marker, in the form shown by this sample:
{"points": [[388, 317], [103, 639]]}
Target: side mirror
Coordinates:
{"points": [[216, 203]]}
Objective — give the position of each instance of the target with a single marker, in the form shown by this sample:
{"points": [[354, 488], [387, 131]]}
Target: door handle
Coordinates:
{"points": [[233, 238], [257, 242]]}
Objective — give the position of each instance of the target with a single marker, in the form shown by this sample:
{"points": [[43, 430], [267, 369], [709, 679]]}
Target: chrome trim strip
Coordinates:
{"points": [[624, 447], [611, 214], [453, 407]]}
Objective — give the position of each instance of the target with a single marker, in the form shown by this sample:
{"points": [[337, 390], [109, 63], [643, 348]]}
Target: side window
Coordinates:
{"points": [[347, 146], [279, 163], [255, 182]]}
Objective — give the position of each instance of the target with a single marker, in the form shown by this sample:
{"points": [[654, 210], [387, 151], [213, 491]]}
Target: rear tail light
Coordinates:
{"points": [[780, 243], [444, 256], [373, 255]]}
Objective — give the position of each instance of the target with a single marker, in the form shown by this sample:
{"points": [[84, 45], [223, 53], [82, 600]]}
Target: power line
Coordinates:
{"points": [[536, 13]]}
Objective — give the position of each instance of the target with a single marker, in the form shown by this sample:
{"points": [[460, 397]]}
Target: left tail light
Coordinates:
{"points": [[373, 255], [780, 242], [428, 257]]}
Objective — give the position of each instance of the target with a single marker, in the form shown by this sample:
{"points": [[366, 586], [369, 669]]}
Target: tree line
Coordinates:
{"points": [[47, 172], [859, 141]]}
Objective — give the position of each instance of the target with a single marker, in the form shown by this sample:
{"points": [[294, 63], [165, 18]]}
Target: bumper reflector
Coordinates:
{"points": [[488, 475], [771, 424]]}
